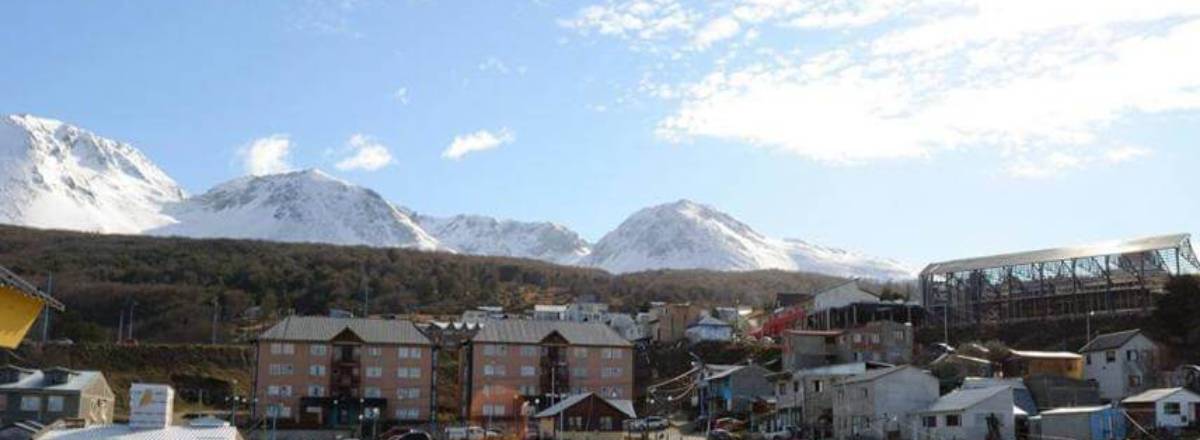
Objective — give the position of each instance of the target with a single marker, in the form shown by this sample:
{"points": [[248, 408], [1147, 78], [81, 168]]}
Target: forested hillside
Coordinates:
{"points": [[173, 281]]}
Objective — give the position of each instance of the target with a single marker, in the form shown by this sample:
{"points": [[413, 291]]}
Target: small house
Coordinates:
{"points": [[878, 403], [1025, 363], [585, 416], [709, 329], [1170, 408], [1121, 363], [1082, 422], [968, 414], [55, 393], [735, 388]]}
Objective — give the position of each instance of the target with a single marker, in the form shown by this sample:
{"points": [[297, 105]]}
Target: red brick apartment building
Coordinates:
{"points": [[518, 365], [325, 372]]}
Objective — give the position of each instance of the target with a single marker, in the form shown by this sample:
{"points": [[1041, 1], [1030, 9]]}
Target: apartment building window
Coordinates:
{"points": [[495, 350], [374, 372], [374, 351], [408, 373], [408, 413], [953, 420], [529, 351], [899, 335], [316, 370], [408, 393], [581, 352], [316, 391], [579, 372], [1110, 356], [279, 390], [281, 348], [372, 392], [318, 350], [411, 352], [493, 410], [529, 390], [54, 404], [528, 371], [874, 338], [611, 353], [610, 372], [279, 411], [929, 421], [279, 369]]}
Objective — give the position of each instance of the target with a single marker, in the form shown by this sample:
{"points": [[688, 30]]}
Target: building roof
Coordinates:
{"points": [[532, 332], [1074, 410], [871, 375], [624, 406], [1109, 341], [824, 333], [35, 379], [1045, 354], [124, 432], [550, 308], [322, 328], [962, 399], [722, 371], [709, 321], [1063, 253], [12, 281], [1157, 394]]}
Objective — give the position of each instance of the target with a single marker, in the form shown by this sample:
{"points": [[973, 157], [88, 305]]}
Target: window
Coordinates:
{"points": [[281, 348], [1135, 380], [408, 393], [54, 403], [495, 350], [529, 351], [409, 373], [318, 350], [1089, 359], [1131, 355], [493, 370], [796, 387], [528, 371], [610, 372], [576, 423], [875, 338], [581, 352], [414, 352], [316, 391], [1171, 408], [493, 410], [3, 402], [611, 353], [529, 390], [899, 335], [372, 393], [863, 393], [279, 411], [857, 338], [579, 372], [408, 413], [818, 386], [280, 369], [374, 372], [279, 390], [606, 423], [1110, 356], [316, 370], [953, 420], [929, 421], [374, 351]]}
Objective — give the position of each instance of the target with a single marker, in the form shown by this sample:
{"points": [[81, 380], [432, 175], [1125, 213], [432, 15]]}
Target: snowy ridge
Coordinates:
{"points": [[55, 175], [480, 235], [301, 206]]}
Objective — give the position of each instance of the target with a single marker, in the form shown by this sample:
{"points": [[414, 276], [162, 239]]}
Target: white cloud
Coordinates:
{"points": [[1037, 83], [267, 155], [477, 141], [366, 154], [401, 95], [719, 29]]}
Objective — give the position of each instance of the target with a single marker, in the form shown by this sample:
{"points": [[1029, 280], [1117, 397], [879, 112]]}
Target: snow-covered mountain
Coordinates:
{"points": [[55, 175], [301, 206], [480, 235], [689, 235]]}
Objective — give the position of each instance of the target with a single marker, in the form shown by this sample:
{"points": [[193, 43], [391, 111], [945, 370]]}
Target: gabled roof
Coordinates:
{"points": [[962, 399], [514, 331], [37, 380], [1109, 341], [871, 375], [1074, 410], [1158, 394], [124, 432], [322, 328], [1045, 354], [624, 406], [1063, 253], [709, 321], [825, 333]]}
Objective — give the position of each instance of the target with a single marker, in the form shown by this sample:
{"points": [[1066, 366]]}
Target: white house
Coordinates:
{"points": [[586, 311], [549, 312], [709, 329], [625, 325], [1121, 363], [841, 295], [1170, 408], [878, 403], [966, 414]]}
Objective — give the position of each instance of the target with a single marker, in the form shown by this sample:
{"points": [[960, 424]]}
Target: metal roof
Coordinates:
{"points": [[1063, 253], [961, 399], [36, 380], [515, 331], [624, 406], [1045, 354], [1157, 394], [1109, 341], [124, 432], [870, 375], [1074, 410], [9, 279], [321, 328]]}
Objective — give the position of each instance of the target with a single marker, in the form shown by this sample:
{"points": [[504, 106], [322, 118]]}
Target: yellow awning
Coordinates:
{"points": [[18, 311]]}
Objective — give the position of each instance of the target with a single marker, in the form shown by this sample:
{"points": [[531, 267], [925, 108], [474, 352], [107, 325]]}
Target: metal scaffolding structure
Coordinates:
{"points": [[1102, 279]]}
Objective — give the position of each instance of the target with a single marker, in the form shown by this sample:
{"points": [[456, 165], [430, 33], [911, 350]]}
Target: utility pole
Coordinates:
{"points": [[46, 311], [132, 304], [121, 325], [216, 311]]}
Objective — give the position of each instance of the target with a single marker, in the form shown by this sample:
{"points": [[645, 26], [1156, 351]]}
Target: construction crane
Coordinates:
{"points": [[20, 304]]}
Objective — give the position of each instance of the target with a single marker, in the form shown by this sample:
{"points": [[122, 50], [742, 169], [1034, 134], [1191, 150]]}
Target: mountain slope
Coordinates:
{"points": [[55, 175], [480, 235], [689, 235], [301, 206]]}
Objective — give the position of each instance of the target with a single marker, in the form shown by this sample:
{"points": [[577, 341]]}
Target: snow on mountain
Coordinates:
{"points": [[689, 235], [55, 175], [480, 235], [301, 206]]}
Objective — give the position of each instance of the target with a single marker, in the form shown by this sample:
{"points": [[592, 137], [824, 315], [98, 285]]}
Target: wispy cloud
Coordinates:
{"points": [[365, 154], [1037, 83], [478, 141], [268, 155], [401, 95], [498, 66]]}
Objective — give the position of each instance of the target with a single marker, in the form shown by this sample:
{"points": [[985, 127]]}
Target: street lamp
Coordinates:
{"points": [[1090, 314]]}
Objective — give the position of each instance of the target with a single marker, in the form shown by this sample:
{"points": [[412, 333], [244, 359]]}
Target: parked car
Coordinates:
{"points": [[655, 423], [466, 433]]}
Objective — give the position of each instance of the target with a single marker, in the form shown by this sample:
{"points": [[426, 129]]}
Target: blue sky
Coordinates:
{"points": [[913, 129]]}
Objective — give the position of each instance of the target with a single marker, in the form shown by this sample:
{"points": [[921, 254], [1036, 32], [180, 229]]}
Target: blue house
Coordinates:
{"points": [[1083, 422]]}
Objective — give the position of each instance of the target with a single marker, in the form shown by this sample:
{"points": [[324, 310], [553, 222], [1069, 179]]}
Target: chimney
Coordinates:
{"points": [[151, 406]]}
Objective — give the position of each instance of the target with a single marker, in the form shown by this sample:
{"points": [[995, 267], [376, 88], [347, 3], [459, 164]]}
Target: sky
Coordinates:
{"points": [[919, 130]]}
